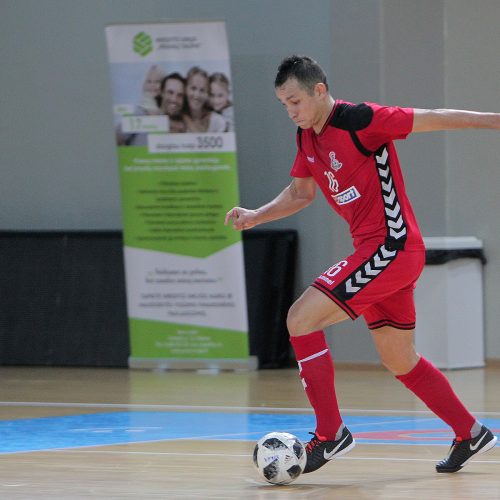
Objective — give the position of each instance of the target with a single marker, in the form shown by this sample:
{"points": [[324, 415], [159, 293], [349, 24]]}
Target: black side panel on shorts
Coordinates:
{"points": [[365, 273]]}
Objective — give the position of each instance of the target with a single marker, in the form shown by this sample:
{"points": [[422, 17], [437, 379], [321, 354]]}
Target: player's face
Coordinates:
{"points": [[172, 97], [305, 109], [197, 92], [219, 96]]}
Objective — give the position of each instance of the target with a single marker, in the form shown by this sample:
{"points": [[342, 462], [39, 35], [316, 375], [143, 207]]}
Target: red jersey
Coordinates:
{"points": [[354, 162]]}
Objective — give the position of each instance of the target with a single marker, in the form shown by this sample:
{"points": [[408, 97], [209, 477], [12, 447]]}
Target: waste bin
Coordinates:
{"points": [[449, 303]]}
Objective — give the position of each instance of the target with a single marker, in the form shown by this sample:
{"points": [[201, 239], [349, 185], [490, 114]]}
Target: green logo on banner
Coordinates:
{"points": [[143, 44]]}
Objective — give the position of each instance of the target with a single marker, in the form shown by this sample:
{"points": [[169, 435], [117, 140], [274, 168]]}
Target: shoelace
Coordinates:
{"points": [[454, 444], [313, 443]]}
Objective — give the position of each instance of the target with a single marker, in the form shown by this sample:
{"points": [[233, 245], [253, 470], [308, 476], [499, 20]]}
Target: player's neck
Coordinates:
{"points": [[324, 115]]}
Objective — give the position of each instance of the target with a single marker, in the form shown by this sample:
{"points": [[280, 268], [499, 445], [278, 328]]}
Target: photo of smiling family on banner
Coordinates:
{"points": [[176, 148]]}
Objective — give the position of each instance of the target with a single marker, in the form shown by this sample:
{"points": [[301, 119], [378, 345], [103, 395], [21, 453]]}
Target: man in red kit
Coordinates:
{"points": [[347, 151]]}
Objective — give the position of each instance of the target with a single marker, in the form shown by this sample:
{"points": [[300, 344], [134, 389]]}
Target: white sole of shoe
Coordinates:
{"points": [[347, 449], [484, 449]]}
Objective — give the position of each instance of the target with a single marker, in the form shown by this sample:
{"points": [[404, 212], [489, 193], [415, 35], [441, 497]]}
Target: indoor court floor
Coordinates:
{"points": [[75, 433]]}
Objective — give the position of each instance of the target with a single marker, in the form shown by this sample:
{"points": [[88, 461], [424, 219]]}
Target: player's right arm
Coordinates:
{"points": [[296, 196]]}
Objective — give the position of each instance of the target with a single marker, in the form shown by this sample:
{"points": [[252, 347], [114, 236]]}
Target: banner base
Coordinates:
{"points": [[248, 364]]}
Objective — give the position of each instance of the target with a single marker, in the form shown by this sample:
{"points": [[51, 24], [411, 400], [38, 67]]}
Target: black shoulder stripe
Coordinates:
{"points": [[352, 116], [359, 144]]}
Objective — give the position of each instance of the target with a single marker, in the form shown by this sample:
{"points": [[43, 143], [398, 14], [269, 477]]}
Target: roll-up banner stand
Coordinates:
{"points": [[176, 148]]}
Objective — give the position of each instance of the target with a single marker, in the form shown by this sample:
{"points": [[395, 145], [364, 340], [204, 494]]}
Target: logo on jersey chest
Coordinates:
{"points": [[334, 163]]}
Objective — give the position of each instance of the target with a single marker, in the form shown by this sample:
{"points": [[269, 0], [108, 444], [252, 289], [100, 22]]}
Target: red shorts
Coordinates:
{"points": [[376, 283]]}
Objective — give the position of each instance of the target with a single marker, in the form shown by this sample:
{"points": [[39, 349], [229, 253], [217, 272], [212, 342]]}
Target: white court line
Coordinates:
{"points": [[137, 406], [83, 448], [208, 437], [247, 455]]}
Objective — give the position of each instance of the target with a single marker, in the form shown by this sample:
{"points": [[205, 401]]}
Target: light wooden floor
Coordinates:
{"points": [[217, 469]]}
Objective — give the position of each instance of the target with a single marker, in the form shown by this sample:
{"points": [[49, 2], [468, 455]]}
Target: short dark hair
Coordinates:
{"points": [[304, 69], [172, 76]]}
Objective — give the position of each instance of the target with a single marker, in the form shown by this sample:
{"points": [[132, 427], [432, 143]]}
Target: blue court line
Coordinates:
{"points": [[101, 429]]}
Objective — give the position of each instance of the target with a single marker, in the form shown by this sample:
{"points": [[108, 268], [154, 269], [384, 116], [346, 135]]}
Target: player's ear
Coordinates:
{"points": [[320, 89]]}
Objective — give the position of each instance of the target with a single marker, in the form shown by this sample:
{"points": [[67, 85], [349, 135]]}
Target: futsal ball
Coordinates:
{"points": [[280, 457]]}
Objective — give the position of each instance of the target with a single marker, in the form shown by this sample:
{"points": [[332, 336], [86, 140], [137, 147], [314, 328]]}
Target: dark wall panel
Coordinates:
{"points": [[63, 299], [270, 257]]}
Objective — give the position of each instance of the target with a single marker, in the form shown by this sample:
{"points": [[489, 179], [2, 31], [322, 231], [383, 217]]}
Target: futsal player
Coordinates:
{"points": [[348, 152]]}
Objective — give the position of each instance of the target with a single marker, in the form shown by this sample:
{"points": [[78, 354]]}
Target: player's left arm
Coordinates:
{"points": [[427, 120]]}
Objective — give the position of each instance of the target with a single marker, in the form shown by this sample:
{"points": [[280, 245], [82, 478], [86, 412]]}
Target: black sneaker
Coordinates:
{"points": [[462, 450], [320, 452]]}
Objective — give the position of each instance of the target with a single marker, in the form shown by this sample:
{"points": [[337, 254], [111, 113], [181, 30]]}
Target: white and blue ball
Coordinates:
{"points": [[280, 457]]}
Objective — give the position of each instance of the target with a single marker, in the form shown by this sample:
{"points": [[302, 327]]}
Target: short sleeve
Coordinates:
{"points": [[300, 167], [388, 123]]}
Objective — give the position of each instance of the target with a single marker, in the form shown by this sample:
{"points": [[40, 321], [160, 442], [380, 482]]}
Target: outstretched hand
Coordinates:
{"points": [[242, 218]]}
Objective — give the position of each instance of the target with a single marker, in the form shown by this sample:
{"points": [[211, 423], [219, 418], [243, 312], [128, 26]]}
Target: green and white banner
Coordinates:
{"points": [[186, 296]]}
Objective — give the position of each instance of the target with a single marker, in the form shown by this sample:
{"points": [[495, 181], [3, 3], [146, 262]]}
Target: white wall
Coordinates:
{"points": [[472, 48], [57, 154], [431, 53], [392, 52], [57, 151]]}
